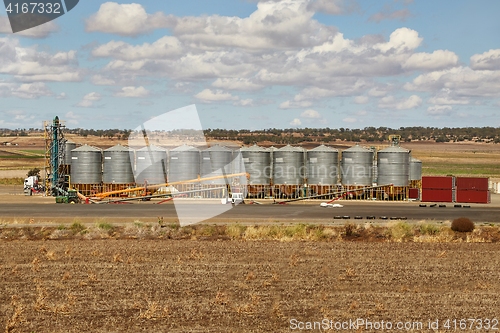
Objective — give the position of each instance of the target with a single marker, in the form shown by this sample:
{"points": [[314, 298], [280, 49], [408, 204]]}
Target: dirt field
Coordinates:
{"points": [[240, 286]]}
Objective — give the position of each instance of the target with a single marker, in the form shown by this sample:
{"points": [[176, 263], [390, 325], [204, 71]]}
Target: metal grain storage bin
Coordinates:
{"points": [[68, 147], [117, 166], [288, 166], [151, 165], [322, 166], [257, 162], [356, 166], [184, 163], [415, 169], [216, 161], [393, 166], [86, 165]]}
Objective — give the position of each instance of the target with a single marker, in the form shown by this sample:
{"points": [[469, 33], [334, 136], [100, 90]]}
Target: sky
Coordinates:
{"points": [[248, 64]]}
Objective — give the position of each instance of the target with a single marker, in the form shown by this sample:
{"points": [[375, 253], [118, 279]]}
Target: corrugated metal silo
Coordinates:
{"points": [[86, 165], [257, 162], [322, 166], [68, 147], [415, 169], [184, 163], [393, 166], [151, 165], [356, 166], [216, 161], [288, 166], [117, 166]]}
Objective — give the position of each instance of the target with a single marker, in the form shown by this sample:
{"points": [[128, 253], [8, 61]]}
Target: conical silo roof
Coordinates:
{"points": [[85, 148]]}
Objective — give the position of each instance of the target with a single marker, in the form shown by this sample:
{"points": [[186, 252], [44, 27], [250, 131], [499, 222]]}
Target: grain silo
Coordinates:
{"points": [[216, 161], [288, 171], [356, 166], [117, 166], [393, 166], [86, 169], [150, 165], [415, 169], [322, 166], [68, 147], [257, 163], [184, 163]]}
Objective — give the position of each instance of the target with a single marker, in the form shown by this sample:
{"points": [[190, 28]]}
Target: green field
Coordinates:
{"points": [[461, 169]]}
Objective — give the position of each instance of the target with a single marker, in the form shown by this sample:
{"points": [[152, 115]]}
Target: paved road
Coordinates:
{"points": [[243, 213]]}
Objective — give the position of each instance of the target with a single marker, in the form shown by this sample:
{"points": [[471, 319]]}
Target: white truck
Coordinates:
{"points": [[236, 198], [31, 185]]}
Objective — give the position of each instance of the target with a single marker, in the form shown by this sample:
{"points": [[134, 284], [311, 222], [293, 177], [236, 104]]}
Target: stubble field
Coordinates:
{"points": [[146, 285]]}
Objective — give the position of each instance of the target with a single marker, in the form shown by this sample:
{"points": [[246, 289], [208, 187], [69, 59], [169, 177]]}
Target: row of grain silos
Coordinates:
{"points": [[321, 165], [290, 167]]}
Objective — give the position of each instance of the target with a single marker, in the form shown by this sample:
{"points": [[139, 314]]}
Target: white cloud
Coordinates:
{"points": [[72, 118], [361, 99], [27, 64], [38, 32], [165, 47], [311, 114], [460, 81], [208, 96], [89, 99], [236, 84], [439, 110], [440, 59], [125, 20], [102, 81], [390, 102], [296, 122], [401, 40], [132, 92], [332, 7], [350, 120], [32, 90], [295, 104], [244, 102], [487, 60]]}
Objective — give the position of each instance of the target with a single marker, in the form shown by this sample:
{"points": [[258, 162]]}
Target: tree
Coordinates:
{"points": [[34, 172]]}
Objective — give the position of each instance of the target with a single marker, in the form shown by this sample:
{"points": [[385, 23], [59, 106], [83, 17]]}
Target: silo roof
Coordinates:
{"points": [[152, 148], [86, 147], [394, 149], [185, 148], [415, 160], [323, 148], [254, 148], [118, 147], [218, 148], [291, 148], [358, 148]]}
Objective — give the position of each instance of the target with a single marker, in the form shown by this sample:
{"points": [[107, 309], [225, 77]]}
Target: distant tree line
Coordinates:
{"points": [[367, 134], [304, 135]]}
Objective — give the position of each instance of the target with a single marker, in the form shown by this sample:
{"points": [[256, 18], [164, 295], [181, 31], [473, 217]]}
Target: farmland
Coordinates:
{"points": [[216, 285]]}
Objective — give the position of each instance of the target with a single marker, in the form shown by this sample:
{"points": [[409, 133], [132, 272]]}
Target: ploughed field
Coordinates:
{"points": [[216, 285]]}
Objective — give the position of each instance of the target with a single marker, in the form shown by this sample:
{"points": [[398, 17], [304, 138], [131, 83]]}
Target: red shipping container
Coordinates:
{"points": [[437, 195], [472, 196], [414, 193], [435, 182], [472, 183]]}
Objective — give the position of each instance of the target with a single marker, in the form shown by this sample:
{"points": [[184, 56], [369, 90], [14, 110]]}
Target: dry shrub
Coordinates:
{"points": [[235, 231], [462, 224], [400, 231]]}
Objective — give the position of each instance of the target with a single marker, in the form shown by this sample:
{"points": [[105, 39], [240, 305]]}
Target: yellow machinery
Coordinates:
{"points": [[103, 195]]}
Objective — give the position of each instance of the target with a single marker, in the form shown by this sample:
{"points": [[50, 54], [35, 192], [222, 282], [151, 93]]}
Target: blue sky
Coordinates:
{"points": [[257, 64]]}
